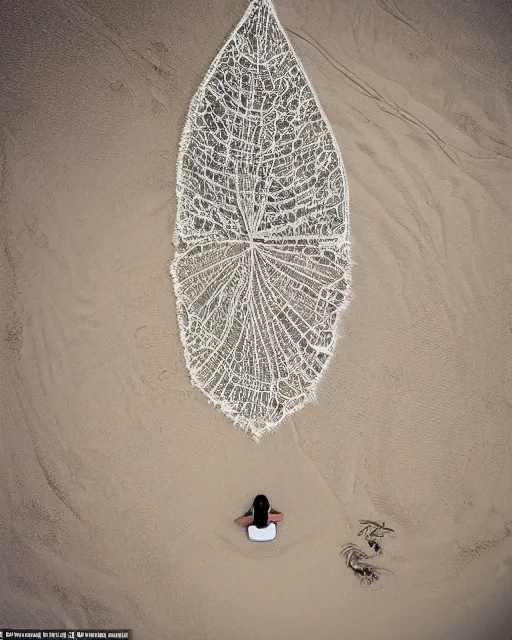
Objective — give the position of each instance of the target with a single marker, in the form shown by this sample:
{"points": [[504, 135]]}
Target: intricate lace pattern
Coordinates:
{"points": [[262, 262]]}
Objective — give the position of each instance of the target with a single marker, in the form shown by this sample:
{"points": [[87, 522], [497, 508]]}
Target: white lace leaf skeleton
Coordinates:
{"points": [[262, 262]]}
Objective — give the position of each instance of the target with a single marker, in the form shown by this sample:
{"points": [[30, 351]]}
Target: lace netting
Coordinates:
{"points": [[262, 263]]}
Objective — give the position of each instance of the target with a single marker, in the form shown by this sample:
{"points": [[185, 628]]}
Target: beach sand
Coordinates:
{"points": [[119, 483]]}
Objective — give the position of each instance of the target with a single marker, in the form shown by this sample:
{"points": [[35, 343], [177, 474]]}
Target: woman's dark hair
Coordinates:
{"points": [[261, 507]]}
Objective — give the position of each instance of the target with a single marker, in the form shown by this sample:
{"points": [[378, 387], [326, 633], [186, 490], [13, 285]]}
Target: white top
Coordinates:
{"points": [[262, 535]]}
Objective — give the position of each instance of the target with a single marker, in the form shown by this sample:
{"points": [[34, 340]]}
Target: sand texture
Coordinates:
{"points": [[119, 483]]}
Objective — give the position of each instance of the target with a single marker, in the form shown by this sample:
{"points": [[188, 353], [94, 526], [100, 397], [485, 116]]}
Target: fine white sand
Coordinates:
{"points": [[119, 483]]}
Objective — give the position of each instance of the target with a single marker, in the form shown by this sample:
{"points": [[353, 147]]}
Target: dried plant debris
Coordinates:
{"points": [[357, 559], [373, 531]]}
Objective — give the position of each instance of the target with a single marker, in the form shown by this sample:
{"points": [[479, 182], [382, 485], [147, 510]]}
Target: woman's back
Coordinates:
{"points": [[265, 534]]}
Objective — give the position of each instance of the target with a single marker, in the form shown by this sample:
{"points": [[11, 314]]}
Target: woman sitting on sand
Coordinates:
{"points": [[260, 520]]}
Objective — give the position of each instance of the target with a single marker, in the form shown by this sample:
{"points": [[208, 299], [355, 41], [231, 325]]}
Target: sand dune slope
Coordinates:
{"points": [[119, 482]]}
